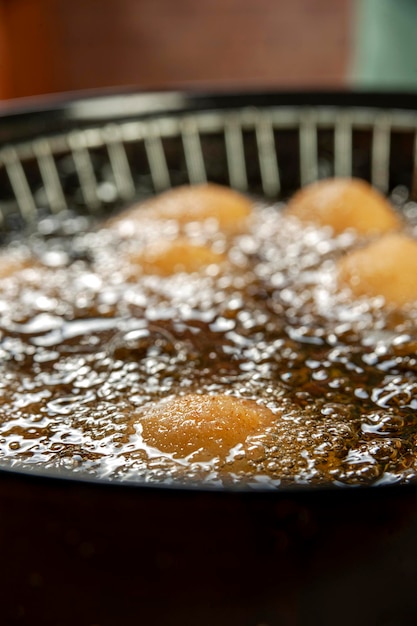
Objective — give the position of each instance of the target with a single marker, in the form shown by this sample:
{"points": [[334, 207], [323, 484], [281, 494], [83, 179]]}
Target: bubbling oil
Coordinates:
{"points": [[90, 346]]}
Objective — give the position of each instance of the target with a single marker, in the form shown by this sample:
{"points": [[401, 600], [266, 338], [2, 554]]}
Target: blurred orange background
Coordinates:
{"points": [[50, 46]]}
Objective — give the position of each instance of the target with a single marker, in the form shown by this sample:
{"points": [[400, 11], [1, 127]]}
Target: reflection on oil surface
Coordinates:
{"points": [[250, 367]]}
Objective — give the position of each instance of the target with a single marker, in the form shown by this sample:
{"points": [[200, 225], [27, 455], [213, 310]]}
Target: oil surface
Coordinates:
{"points": [[88, 343]]}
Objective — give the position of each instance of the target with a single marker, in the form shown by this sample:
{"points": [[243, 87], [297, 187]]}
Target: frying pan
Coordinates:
{"points": [[85, 552]]}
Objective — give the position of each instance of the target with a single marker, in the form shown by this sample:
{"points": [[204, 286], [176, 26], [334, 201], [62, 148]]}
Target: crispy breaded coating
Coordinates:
{"points": [[344, 203], [386, 267], [207, 425]]}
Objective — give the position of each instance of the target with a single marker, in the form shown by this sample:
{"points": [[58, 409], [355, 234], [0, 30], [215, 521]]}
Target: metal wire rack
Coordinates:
{"points": [[264, 150]]}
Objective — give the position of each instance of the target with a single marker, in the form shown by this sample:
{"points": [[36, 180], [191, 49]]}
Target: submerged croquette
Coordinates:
{"points": [[168, 257], [344, 203], [203, 425], [386, 267], [228, 208]]}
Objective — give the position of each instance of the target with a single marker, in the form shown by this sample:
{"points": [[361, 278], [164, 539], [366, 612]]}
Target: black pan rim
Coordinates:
{"points": [[68, 479], [28, 117]]}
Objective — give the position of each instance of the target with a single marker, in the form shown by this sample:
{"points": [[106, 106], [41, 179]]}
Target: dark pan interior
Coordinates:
{"points": [[97, 154], [100, 153]]}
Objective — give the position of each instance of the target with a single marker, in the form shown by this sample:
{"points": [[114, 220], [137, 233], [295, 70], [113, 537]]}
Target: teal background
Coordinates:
{"points": [[384, 46]]}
